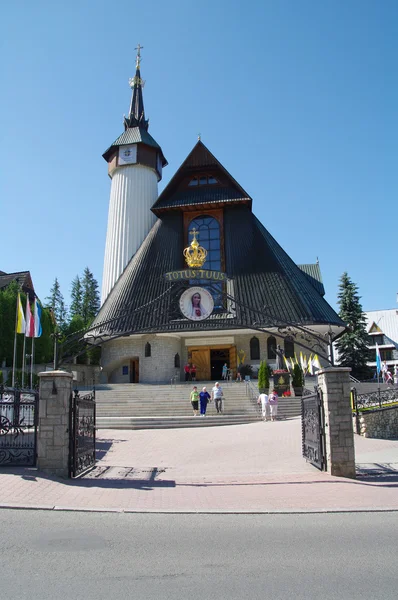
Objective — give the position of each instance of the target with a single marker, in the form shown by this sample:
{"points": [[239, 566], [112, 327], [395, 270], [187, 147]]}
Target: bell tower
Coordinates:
{"points": [[135, 163]]}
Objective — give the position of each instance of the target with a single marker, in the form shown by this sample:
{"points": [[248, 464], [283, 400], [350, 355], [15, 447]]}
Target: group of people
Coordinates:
{"points": [[387, 375], [190, 372], [269, 405], [202, 399]]}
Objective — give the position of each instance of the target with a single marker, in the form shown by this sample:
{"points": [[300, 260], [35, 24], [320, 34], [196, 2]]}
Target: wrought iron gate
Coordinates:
{"points": [[18, 426], [82, 433], [313, 429]]}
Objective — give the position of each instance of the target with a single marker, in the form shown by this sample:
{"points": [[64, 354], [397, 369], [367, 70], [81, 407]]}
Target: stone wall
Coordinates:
{"points": [[157, 368], [53, 430], [381, 423], [339, 435]]}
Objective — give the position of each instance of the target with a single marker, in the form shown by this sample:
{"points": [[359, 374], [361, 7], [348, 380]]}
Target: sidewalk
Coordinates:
{"points": [[251, 468]]}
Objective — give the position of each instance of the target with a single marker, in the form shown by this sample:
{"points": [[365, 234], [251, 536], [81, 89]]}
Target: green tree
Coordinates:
{"points": [[90, 300], [43, 345], [76, 299], [263, 376], [352, 346], [56, 301]]}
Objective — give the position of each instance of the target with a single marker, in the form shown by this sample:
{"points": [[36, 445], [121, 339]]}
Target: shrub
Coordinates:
{"points": [[263, 376], [298, 377], [246, 370]]}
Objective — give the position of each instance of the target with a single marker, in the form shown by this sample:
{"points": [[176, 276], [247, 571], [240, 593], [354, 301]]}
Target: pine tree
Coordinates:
{"points": [[90, 297], [56, 301], [77, 299], [352, 346]]}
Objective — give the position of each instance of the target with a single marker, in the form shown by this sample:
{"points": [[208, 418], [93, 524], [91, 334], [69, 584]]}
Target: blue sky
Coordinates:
{"points": [[297, 99]]}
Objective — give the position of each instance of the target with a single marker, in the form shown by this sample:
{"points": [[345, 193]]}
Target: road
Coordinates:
{"points": [[75, 555]]}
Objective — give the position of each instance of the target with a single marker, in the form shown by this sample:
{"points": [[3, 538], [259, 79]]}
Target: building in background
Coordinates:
{"points": [[382, 327]]}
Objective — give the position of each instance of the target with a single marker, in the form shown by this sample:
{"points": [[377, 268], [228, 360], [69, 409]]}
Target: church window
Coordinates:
{"points": [[209, 237], [177, 361], [147, 350], [254, 349], [271, 346], [289, 348], [203, 180]]}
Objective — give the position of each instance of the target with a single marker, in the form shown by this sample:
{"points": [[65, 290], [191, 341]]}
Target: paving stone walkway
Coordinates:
{"points": [[242, 468]]}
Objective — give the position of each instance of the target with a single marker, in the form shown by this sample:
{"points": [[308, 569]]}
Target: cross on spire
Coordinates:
{"points": [[138, 59]]}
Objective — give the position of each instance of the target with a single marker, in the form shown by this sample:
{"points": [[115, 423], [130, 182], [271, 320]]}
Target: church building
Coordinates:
{"points": [[191, 275]]}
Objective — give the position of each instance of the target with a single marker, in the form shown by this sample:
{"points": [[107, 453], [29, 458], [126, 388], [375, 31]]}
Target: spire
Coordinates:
{"points": [[136, 116]]}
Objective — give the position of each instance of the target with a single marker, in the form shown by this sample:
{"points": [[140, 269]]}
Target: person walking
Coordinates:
{"points": [[204, 398], [273, 405], [187, 370], [193, 372], [217, 396], [263, 400], [195, 400], [225, 371]]}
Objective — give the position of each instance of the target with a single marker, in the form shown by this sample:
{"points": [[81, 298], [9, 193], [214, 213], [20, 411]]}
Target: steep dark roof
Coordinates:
{"points": [[263, 277], [135, 125], [22, 277], [200, 160], [135, 135], [313, 274]]}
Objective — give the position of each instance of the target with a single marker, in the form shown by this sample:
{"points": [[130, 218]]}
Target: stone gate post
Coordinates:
{"points": [[340, 450], [53, 431]]}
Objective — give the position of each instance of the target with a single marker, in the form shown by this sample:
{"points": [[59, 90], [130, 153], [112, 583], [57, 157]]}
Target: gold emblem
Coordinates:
{"points": [[195, 255]]}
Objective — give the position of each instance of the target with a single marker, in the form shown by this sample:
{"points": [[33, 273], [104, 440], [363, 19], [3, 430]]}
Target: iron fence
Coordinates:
{"points": [[82, 433], [313, 429], [372, 400], [18, 426]]}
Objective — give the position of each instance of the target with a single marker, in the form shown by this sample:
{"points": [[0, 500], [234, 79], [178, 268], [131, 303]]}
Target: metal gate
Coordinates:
{"points": [[82, 433], [313, 429], [18, 427]]}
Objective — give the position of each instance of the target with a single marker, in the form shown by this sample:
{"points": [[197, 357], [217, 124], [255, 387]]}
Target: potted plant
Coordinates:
{"points": [[263, 378], [298, 380]]}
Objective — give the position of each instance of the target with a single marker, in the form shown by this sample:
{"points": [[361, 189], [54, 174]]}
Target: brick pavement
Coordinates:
{"points": [[243, 468]]}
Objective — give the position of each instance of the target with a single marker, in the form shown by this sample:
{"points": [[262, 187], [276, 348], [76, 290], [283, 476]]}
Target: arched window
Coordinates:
{"points": [[271, 346], [177, 363], [147, 350], [208, 229], [254, 349], [289, 348]]}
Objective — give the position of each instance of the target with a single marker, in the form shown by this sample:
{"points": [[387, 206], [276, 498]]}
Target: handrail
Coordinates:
{"points": [[252, 391]]}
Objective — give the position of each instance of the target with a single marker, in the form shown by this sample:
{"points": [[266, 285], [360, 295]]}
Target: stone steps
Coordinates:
{"points": [[142, 406], [172, 422]]}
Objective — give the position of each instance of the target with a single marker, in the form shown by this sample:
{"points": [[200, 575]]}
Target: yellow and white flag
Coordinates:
{"points": [[21, 324], [310, 369], [286, 363], [316, 362]]}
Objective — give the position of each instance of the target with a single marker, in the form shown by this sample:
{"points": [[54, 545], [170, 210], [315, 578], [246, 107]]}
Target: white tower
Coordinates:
{"points": [[135, 163]]}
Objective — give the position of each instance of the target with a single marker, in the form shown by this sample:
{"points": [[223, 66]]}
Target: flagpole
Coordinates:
{"points": [[31, 362], [15, 345], [24, 358]]}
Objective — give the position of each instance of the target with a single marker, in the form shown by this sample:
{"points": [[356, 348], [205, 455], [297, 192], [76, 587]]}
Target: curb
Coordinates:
{"points": [[272, 511]]}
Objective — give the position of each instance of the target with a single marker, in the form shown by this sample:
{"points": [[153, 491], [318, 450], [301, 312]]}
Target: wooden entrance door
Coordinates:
{"points": [[201, 359], [134, 370], [232, 361]]}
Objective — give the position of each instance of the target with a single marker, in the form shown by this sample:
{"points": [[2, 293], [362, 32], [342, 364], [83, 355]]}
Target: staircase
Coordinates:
{"points": [[144, 406]]}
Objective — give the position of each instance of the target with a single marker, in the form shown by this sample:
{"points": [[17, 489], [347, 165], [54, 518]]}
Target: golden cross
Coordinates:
{"points": [[138, 61], [193, 232]]}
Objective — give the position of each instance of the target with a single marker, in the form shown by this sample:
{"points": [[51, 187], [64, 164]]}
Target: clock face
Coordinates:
{"points": [[128, 155]]}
